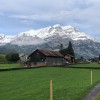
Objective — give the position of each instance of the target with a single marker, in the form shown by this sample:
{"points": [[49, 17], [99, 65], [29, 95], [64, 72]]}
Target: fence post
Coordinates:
{"points": [[51, 94], [91, 77]]}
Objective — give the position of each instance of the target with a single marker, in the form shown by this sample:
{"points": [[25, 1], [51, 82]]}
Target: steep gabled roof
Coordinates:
{"points": [[51, 53]]}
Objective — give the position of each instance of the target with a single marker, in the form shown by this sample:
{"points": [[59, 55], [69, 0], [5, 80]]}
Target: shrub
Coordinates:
{"points": [[12, 57]]}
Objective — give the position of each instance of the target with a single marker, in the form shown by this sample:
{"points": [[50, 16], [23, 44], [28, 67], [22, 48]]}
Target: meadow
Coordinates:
{"points": [[86, 65], [17, 65], [13, 65], [33, 84]]}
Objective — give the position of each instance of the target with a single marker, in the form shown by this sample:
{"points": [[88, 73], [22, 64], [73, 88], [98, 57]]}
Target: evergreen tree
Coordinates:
{"points": [[61, 47], [99, 57], [70, 49], [64, 51], [81, 58]]}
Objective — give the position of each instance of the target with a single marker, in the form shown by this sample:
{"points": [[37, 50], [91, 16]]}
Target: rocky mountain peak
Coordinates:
{"points": [[46, 34], [50, 38]]}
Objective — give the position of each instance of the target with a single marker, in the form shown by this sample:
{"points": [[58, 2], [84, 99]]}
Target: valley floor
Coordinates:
{"points": [[86, 65], [33, 84], [6, 66], [17, 65]]}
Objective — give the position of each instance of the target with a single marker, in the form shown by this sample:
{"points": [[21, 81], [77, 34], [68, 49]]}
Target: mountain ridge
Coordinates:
{"points": [[43, 33], [51, 38]]}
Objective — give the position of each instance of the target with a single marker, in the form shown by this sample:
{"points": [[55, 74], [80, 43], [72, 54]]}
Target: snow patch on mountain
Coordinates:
{"points": [[5, 39], [43, 35]]}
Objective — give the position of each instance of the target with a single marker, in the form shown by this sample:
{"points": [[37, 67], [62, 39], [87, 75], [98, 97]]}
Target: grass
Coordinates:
{"points": [[4, 66], [97, 97], [2, 58], [86, 65], [33, 84]]}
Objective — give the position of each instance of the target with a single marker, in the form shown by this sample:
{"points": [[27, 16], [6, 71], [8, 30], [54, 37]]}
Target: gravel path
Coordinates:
{"points": [[92, 93]]}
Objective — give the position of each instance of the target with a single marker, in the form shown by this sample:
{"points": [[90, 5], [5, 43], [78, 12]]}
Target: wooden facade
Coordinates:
{"points": [[46, 58]]}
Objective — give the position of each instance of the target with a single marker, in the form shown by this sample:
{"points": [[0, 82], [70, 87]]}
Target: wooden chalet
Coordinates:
{"points": [[46, 58]]}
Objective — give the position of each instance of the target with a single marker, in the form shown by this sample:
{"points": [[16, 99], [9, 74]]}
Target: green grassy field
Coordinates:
{"points": [[4, 66], [33, 84], [86, 65]]}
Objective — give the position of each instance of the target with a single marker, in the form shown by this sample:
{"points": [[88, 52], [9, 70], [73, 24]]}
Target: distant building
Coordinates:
{"points": [[46, 58], [23, 57]]}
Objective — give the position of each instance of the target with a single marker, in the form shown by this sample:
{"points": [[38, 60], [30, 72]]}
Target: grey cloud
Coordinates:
{"points": [[80, 12]]}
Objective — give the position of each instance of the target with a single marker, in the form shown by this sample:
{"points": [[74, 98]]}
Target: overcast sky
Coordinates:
{"points": [[21, 15]]}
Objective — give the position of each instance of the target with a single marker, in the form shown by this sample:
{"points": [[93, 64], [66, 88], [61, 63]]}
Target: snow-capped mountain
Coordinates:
{"points": [[5, 39], [50, 38], [57, 30], [39, 36]]}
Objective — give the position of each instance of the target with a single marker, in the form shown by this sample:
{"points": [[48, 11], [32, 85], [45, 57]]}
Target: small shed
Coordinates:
{"points": [[46, 57], [70, 58]]}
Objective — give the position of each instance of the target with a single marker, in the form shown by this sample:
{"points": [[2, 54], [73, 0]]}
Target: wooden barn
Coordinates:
{"points": [[45, 57]]}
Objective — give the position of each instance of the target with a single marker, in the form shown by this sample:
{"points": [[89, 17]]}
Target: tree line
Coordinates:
{"points": [[9, 58]]}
